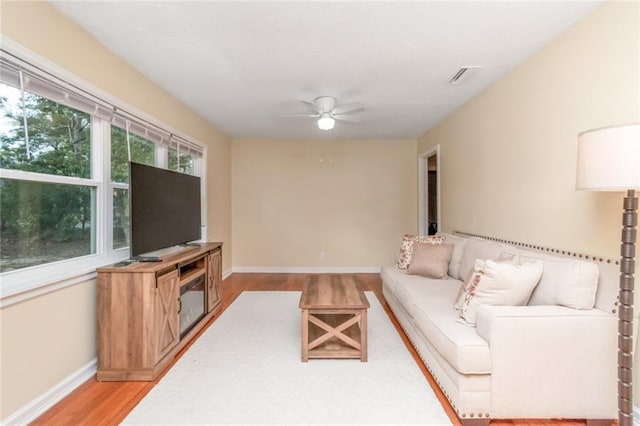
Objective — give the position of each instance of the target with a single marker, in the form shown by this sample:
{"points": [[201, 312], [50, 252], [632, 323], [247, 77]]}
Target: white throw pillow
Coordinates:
{"points": [[504, 257], [499, 283], [477, 248], [566, 282], [462, 291], [456, 256]]}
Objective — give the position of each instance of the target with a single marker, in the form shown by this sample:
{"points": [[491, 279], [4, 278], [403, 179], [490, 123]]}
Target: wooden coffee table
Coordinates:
{"points": [[334, 318]]}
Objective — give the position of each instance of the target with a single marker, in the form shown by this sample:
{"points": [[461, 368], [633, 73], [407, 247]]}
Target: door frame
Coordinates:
{"points": [[423, 200]]}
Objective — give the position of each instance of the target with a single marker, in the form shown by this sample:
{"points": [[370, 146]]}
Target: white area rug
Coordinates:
{"points": [[245, 369]]}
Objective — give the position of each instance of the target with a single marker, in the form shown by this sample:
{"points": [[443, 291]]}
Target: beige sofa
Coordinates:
{"points": [[542, 360]]}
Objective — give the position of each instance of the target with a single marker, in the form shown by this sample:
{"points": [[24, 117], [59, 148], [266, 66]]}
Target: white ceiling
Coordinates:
{"points": [[242, 65]]}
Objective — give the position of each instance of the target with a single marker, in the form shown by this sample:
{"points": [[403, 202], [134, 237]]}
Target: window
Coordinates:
{"points": [[180, 163], [142, 151], [44, 222], [64, 175]]}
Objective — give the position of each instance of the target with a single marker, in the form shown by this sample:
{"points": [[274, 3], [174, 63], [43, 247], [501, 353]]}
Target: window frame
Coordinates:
{"points": [[25, 283]]}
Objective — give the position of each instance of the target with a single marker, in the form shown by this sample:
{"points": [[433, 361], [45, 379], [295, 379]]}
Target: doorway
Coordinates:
{"points": [[429, 191]]}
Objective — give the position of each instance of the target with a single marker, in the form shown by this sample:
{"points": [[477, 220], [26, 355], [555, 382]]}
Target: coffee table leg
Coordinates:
{"points": [[363, 336], [305, 335]]}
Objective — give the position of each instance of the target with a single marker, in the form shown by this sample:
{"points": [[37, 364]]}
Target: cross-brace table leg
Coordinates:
{"points": [[337, 331]]}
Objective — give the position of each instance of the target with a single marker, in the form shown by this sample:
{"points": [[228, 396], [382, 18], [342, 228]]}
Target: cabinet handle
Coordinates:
{"points": [[179, 305]]}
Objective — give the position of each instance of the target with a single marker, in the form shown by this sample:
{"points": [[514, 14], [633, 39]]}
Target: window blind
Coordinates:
{"points": [[48, 86], [56, 91]]}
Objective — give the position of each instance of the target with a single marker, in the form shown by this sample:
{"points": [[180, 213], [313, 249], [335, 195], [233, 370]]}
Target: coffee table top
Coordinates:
{"points": [[332, 292]]}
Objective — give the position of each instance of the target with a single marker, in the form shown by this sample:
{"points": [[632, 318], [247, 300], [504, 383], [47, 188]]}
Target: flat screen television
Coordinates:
{"points": [[164, 208]]}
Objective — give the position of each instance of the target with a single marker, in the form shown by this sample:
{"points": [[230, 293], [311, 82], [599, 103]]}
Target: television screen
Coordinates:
{"points": [[164, 208]]}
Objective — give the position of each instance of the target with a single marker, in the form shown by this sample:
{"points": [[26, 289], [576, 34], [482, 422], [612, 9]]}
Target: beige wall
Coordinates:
{"points": [[508, 157], [48, 338], [45, 340], [294, 199], [508, 165]]}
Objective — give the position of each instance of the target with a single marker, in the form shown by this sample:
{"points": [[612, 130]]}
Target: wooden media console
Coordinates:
{"points": [[140, 308]]}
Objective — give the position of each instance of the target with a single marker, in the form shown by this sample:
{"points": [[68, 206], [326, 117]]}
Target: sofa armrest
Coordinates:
{"points": [[548, 360]]}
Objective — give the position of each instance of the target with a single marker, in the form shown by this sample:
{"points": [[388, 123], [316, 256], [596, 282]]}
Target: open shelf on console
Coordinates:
{"points": [[191, 270]]}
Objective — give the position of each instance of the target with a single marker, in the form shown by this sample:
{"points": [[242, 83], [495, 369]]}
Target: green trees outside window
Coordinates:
{"points": [[185, 165], [142, 151], [44, 222], [64, 204], [59, 137]]}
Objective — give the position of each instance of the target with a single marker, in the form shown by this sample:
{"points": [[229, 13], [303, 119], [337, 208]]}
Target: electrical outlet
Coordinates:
{"points": [[321, 255]]}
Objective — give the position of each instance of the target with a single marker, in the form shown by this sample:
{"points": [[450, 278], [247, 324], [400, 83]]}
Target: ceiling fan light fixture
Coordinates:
{"points": [[326, 122]]}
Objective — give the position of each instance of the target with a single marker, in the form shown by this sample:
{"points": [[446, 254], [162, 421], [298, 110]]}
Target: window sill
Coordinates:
{"points": [[47, 279]]}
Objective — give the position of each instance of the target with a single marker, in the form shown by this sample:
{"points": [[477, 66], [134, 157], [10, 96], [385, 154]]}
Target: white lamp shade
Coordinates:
{"points": [[326, 122], [609, 159]]}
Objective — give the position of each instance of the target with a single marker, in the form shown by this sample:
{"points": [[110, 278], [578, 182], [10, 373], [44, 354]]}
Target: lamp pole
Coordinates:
{"points": [[625, 309], [609, 160]]}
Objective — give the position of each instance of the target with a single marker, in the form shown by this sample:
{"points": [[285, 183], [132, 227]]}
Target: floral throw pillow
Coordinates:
{"points": [[406, 249], [473, 276], [499, 283]]}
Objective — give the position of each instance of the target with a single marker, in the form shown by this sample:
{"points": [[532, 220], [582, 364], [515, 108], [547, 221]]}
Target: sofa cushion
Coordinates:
{"points": [[389, 275], [413, 288], [392, 276], [499, 283], [408, 288], [406, 248], [565, 281], [571, 283], [477, 248], [460, 345], [456, 256], [430, 260], [608, 286]]}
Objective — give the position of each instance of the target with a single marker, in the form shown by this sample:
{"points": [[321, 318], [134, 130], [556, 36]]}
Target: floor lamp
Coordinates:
{"points": [[609, 160]]}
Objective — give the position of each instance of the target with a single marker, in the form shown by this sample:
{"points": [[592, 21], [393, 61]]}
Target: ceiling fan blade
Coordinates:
{"points": [[348, 108], [300, 116], [312, 106], [347, 119]]}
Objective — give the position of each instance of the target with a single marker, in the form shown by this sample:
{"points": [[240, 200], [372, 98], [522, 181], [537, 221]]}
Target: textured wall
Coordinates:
{"points": [[508, 157], [295, 199], [46, 339]]}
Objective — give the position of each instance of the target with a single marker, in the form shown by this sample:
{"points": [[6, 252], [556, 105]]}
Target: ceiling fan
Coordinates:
{"points": [[327, 111]]}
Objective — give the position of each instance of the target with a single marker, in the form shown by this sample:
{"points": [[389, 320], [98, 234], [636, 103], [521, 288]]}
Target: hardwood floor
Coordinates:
{"points": [[108, 403]]}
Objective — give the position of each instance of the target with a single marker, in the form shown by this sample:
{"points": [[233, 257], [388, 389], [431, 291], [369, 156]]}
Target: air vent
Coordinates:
{"points": [[463, 74]]}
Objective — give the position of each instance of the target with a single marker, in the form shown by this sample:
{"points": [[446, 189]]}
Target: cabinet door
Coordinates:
{"points": [[214, 272], [167, 317]]}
